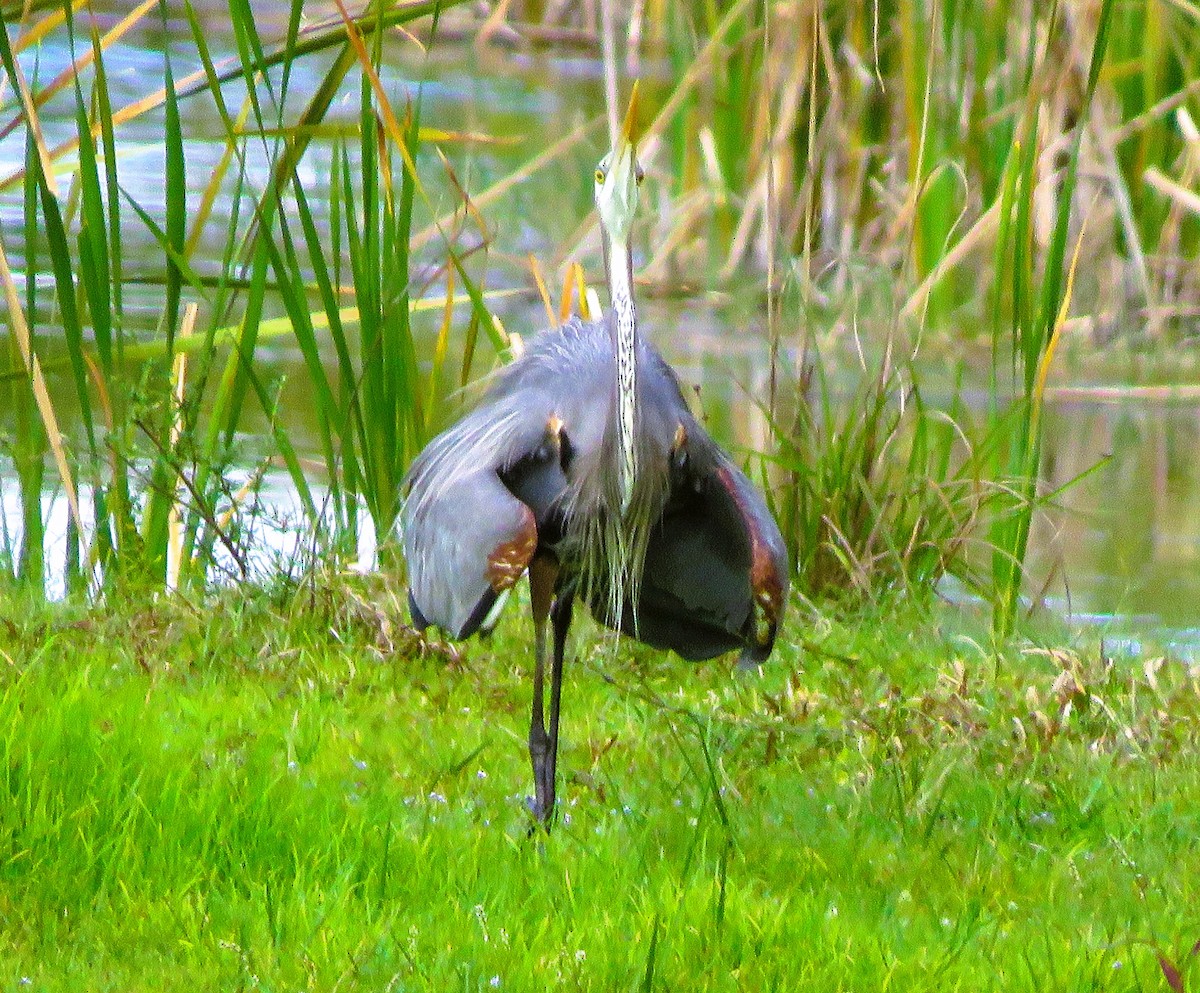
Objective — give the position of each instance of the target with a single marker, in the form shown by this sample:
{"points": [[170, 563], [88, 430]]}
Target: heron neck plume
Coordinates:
{"points": [[613, 545], [620, 284]]}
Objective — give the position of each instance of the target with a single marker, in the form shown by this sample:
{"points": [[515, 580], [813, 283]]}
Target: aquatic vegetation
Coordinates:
{"points": [[892, 171], [163, 508]]}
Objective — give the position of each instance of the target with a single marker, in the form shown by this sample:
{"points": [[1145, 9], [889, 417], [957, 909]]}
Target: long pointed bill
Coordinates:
{"points": [[621, 171], [627, 134]]}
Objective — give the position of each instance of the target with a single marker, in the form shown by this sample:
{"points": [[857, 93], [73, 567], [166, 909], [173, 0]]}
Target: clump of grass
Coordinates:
{"points": [[1034, 324], [878, 490], [872, 494]]}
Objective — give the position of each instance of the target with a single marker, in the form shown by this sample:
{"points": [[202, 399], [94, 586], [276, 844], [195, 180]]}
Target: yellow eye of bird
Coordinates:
{"points": [[599, 175]]}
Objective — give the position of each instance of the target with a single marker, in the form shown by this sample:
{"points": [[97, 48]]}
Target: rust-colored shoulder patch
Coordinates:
{"points": [[510, 559], [768, 596]]}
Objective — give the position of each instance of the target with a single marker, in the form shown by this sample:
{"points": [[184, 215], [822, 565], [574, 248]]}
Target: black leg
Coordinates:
{"points": [[560, 616], [543, 572], [539, 741]]}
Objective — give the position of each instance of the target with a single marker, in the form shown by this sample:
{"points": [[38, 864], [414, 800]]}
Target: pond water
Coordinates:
{"points": [[1122, 545]]}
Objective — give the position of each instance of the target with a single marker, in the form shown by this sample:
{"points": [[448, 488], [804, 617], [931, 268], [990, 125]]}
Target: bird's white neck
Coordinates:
{"points": [[620, 276]]}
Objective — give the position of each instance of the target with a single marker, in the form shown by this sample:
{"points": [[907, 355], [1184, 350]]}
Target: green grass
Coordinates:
{"points": [[278, 791]]}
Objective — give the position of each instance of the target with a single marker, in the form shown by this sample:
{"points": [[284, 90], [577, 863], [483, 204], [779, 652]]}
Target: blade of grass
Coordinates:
{"points": [[175, 543], [176, 197], [20, 331], [93, 235]]}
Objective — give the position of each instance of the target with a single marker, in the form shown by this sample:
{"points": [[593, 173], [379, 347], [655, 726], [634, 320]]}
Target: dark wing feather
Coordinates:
{"points": [[715, 577]]}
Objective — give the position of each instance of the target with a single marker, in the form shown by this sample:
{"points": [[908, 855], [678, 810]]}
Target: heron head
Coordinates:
{"points": [[617, 178]]}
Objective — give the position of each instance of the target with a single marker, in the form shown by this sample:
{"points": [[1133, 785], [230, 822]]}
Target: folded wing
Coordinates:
{"points": [[466, 546]]}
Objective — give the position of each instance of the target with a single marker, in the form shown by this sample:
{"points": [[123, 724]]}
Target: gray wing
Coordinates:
{"points": [[486, 492], [478, 495], [466, 545], [716, 574]]}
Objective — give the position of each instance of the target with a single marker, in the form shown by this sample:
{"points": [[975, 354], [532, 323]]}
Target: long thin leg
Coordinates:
{"points": [[560, 616], [543, 572]]}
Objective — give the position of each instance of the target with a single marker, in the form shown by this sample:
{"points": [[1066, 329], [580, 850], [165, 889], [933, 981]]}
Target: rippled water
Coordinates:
{"points": [[1122, 545]]}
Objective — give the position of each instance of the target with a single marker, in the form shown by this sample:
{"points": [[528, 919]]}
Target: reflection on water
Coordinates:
{"points": [[274, 536], [1124, 540], [1128, 534]]}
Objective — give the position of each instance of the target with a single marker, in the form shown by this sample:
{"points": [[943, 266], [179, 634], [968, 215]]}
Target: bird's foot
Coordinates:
{"points": [[539, 816], [541, 804]]}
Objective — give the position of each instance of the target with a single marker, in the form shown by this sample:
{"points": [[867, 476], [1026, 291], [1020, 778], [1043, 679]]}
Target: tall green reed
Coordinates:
{"points": [[1029, 318], [160, 435], [44, 218]]}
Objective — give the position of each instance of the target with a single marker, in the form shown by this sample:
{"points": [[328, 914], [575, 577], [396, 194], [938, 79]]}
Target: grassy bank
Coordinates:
{"points": [[283, 792]]}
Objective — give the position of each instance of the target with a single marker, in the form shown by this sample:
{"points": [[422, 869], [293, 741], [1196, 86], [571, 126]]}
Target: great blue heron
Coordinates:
{"points": [[584, 467]]}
